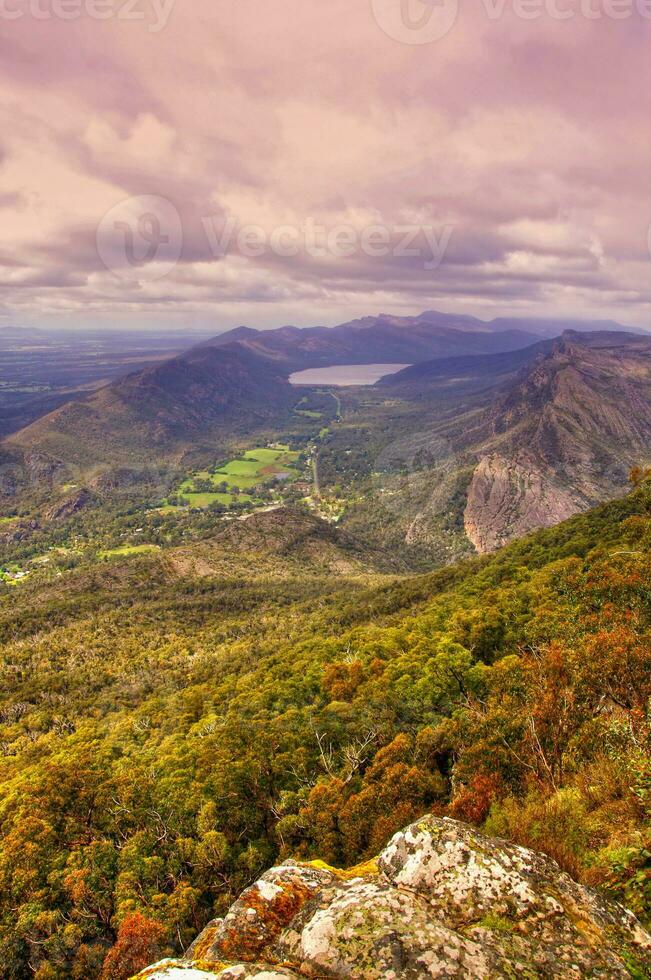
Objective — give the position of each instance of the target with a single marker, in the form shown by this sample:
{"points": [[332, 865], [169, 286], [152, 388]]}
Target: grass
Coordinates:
{"points": [[308, 413], [128, 549], [252, 469]]}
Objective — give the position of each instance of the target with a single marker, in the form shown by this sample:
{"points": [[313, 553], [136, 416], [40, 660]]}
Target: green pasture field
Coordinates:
{"points": [[252, 469]]}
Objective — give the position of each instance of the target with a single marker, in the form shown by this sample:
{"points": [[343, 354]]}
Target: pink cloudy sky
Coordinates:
{"points": [[527, 139]]}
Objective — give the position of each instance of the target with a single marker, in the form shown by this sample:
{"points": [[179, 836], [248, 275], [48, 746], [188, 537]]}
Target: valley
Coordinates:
{"points": [[325, 490], [440, 460], [243, 620]]}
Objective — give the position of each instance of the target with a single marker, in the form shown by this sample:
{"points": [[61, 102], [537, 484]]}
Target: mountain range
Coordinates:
{"points": [[401, 339], [380, 339], [397, 339], [241, 665], [530, 438], [235, 383], [533, 430]]}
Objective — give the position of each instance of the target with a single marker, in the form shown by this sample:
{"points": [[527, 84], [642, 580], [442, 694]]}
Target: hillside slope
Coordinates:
{"points": [[468, 373], [542, 432], [440, 900], [161, 411], [286, 541], [562, 437], [167, 736]]}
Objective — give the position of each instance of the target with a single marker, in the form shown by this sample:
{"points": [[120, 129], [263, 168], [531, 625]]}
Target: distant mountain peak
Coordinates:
{"points": [[386, 338]]}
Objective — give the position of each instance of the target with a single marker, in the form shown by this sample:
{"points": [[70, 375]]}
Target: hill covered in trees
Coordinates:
{"points": [[168, 730]]}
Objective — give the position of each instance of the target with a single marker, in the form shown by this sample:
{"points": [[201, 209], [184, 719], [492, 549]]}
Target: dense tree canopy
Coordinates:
{"points": [[164, 738]]}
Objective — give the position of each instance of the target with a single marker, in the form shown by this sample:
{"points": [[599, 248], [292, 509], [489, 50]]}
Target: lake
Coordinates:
{"points": [[345, 374]]}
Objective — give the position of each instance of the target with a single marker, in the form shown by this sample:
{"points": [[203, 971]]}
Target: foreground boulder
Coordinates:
{"points": [[442, 900]]}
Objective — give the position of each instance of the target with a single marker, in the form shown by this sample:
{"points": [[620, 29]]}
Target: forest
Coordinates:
{"points": [[165, 737]]}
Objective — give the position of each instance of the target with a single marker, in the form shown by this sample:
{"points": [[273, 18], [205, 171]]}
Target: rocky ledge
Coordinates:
{"points": [[442, 900]]}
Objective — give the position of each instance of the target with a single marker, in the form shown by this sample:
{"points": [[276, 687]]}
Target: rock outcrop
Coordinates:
{"points": [[509, 497], [561, 437], [68, 506], [442, 900]]}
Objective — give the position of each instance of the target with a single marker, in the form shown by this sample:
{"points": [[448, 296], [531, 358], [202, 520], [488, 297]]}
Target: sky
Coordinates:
{"points": [[206, 163]]}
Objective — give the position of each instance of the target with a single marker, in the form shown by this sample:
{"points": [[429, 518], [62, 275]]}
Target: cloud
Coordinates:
{"points": [[529, 139]]}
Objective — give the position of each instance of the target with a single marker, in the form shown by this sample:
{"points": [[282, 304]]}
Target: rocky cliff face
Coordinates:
{"points": [[442, 900], [561, 438], [507, 443], [508, 498]]}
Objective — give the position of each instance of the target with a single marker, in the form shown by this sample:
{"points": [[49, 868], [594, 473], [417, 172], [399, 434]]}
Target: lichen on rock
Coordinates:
{"points": [[260, 914], [443, 900]]}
